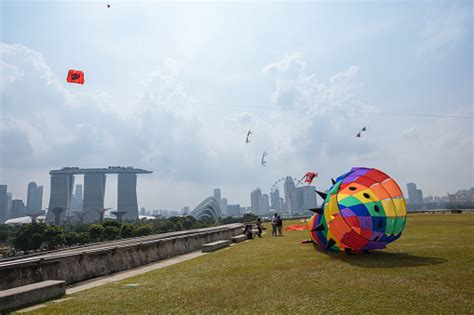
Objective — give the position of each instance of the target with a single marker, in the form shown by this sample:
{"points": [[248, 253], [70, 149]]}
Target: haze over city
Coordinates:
{"points": [[174, 88]]}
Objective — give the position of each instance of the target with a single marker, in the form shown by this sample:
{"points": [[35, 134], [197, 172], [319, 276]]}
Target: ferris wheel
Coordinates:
{"points": [[279, 181]]}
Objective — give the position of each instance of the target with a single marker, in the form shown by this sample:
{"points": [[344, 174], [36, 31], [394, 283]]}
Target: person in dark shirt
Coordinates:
{"points": [[259, 227], [280, 226]]}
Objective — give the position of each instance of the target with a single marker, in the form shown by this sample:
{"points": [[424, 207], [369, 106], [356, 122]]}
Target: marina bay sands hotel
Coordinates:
{"points": [[62, 185]]}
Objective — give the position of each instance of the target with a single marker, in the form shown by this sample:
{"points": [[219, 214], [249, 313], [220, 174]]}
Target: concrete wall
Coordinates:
{"points": [[93, 263]]}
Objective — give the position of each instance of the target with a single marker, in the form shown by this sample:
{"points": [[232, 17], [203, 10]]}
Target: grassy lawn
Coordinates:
{"points": [[429, 270]]}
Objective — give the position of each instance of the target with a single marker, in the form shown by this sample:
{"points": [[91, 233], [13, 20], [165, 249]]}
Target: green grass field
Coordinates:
{"points": [[429, 270]]}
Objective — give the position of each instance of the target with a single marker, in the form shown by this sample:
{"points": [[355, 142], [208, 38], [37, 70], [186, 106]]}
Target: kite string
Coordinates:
{"points": [[347, 112]]}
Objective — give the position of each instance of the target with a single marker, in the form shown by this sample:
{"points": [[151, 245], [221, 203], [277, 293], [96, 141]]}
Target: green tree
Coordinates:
{"points": [[72, 238], [83, 238], [143, 230], [55, 236], [96, 232], [178, 226], [128, 230], [114, 223], [187, 224], [30, 236], [111, 232]]}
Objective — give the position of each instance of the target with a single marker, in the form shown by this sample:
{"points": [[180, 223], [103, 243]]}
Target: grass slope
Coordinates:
{"points": [[429, 270]]}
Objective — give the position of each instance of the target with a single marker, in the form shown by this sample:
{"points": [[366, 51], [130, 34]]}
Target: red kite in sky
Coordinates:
{"points": [[309, 177], [75, 76]]}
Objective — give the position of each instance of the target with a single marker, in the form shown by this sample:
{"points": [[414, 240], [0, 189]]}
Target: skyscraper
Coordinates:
{"points": [[233, 210], [31, 188], [9, 205], [415, 196], [18, 208], [275, 200], [76, 200], [304, 198], [224, 206], [3, 203], [217, 195], [34, 198], [289, 186], [127, 195], [94, 194], [60, 195], [255, 200], [264, 205]]}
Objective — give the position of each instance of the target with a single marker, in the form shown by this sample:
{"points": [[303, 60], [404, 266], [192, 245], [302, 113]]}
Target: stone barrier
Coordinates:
{"points": [[26, 295], [211, 247], [239, 238], [76, 266]]}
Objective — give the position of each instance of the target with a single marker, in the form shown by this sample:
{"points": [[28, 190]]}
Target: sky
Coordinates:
{"points": [[173, 87]]}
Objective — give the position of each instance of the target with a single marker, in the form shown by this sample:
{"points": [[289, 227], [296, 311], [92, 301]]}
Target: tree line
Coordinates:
{"points": [[33, 237]]}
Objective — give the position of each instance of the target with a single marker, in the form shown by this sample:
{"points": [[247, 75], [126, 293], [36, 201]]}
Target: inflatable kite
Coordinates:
{"points": [[363, 210], [309, 177], [75, 76]]}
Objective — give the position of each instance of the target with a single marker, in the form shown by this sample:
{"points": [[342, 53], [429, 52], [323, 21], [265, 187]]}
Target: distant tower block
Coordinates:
{"points": [[94, 193], [80, 216], [57, 214], [119, 215], [127, 196], [101, 213], [60, 197]]}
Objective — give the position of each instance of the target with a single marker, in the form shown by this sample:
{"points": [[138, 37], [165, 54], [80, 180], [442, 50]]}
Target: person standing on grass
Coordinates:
{"points": [[274, 224], [259, 227], [280, 225]]}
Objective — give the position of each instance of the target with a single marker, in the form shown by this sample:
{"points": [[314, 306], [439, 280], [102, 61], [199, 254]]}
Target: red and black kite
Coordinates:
{"points": [[75, 76], [310, 176]]}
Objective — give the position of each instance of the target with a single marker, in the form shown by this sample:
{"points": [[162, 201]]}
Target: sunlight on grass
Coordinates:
{"points": [[429, 270]]}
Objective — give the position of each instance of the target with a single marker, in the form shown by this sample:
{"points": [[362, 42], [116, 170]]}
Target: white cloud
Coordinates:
{"points": [[313, 127], [443, 29]]}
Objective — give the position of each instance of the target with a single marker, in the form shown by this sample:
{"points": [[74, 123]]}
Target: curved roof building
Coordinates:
{"points": [[208, 209]]}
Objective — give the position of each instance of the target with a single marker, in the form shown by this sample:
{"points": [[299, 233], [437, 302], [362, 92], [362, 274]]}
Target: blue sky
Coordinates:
{"points": [[173, 87]]}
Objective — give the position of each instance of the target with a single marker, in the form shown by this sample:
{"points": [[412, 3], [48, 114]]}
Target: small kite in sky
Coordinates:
{"points": [[360, 132], [309, 176], [108, 6], [264, 163], [75, 76], [247, 140]]}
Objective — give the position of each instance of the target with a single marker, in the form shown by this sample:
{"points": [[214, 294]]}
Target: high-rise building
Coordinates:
{"points": [[224, 206], [127, 196], [415, 196], [18, 208], [31, 188], [217, 195], [60, 195], [233, 210], [289, 186], [275, 200], [264, 205], [304, 198], [76, 200], [185, 210], [255, 200], [9, 205], [94, 194], [3, 203], [34, 198]]}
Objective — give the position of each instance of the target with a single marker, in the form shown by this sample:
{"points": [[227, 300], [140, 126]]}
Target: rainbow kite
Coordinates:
{"points": [[363, 210]]}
